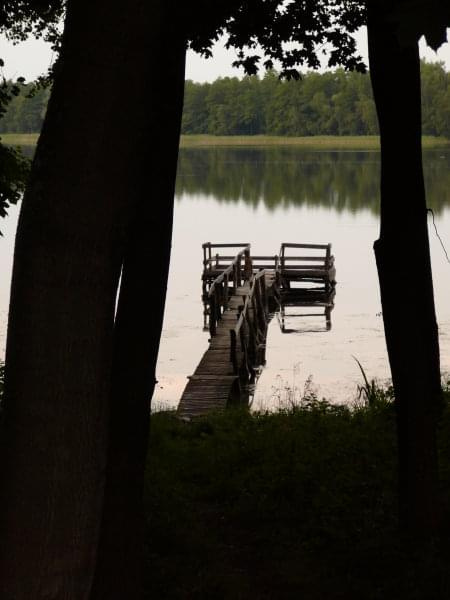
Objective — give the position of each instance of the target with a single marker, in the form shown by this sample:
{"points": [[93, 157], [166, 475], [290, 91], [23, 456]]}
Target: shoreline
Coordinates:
{"points": [[369, 142]]}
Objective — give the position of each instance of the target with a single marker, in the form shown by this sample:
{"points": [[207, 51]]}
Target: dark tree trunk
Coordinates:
{"points": [[404, 270], [136, 341], [91, 173]]}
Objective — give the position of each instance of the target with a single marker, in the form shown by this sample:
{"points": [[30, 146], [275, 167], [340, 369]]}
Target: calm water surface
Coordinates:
{"points": [[274, 195], [265, 197]]}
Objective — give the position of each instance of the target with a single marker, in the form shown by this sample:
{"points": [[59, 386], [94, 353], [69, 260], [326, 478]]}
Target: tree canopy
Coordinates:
{"points": [[331, 103], [19, 20], [291, 33]]}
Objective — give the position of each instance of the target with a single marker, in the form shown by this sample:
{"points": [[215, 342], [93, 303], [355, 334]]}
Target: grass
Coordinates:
{"points": [[300, 503], [310, 143], [295, 504], [19, 139]]}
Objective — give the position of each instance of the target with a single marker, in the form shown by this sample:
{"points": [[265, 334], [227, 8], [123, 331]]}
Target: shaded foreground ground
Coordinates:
{"points": [[296, 504]]}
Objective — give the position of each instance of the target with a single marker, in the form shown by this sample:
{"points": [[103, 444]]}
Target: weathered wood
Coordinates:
{"points": [[227, 365], [306, 258], [311, 269], [229, 245], [236, 293], [311, 246]]}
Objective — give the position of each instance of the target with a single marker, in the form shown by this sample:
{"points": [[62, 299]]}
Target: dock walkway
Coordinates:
{"points": [[239, 294], [215, 384]]}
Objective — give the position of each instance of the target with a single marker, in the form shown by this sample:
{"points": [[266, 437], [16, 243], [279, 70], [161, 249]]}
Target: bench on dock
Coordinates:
{"points": [[311, 263]]}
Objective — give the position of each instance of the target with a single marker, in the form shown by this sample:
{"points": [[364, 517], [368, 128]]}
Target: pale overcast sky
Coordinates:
{"points": [[32, 58]]}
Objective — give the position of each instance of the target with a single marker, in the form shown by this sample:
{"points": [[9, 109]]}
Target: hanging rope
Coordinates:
{"points": [[430, 210]]}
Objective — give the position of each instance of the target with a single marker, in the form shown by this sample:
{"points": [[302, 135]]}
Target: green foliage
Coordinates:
{"points": [[435, 99], [13, 177], [272, 26], [298, 503], [26, 110], [374, 394], [14, 166], [20, 19], [331, 103]]}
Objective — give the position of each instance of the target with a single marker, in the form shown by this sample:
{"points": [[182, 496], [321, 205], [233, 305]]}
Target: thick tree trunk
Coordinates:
{"points": [[404, 269], [90, 174], [137, 333]]}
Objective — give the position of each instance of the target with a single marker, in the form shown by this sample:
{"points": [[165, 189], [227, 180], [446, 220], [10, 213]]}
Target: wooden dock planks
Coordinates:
{"points": [[214, 384], [238, 322]]}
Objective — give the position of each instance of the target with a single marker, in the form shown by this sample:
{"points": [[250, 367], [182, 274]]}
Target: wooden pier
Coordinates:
{"points": [[240, 294]]}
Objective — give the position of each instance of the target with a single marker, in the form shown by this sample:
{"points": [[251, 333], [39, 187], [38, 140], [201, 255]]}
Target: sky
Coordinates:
{"points": [[32, 58]]}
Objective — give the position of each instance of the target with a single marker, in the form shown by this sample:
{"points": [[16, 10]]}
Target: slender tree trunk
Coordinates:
{"points": [[136, 341], [404, 269], [90, 175]]}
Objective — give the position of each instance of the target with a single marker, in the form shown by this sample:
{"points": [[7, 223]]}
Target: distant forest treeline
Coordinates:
{"points": [[331, 103], [25, 115]]}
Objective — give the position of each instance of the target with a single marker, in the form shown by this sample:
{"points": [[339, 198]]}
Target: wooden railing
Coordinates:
{"points": [[265, 262], [214, 262], [248, 337], [217, 290]]}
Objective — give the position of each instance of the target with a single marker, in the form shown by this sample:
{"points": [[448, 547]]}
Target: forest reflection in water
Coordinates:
{"points": [[274, 176]]}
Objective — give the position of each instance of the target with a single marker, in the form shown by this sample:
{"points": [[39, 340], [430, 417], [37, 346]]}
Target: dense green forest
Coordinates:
{"points": [[26, 111], [330, 103]]}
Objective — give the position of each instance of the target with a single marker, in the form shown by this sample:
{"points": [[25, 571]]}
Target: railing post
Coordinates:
{"points": [[261, 303], [212, 315], [206, 247], [248, 266], [233, 351], [226, 291], [219, 300], [264, 294]]}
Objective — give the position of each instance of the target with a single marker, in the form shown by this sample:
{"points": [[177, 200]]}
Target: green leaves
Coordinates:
{"points": [[13, 177], [287, 34], [14, 166]]}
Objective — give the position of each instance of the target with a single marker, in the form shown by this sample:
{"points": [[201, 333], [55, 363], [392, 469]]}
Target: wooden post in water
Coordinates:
{"points": [[248, 266]]}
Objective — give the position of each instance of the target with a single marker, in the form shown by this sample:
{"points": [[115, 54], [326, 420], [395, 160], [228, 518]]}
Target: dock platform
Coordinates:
{"points": [[240, 293]]}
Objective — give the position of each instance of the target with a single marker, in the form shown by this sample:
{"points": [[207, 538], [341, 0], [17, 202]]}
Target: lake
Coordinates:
{"points": [[266, 196]]}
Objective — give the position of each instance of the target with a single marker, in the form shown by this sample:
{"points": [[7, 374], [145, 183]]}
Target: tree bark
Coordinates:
{"points": [[137, 333], [89, 178], [404, 270]]}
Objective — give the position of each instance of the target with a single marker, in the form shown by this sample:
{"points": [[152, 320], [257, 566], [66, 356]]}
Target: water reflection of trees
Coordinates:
{"points": [[283, 176]]}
